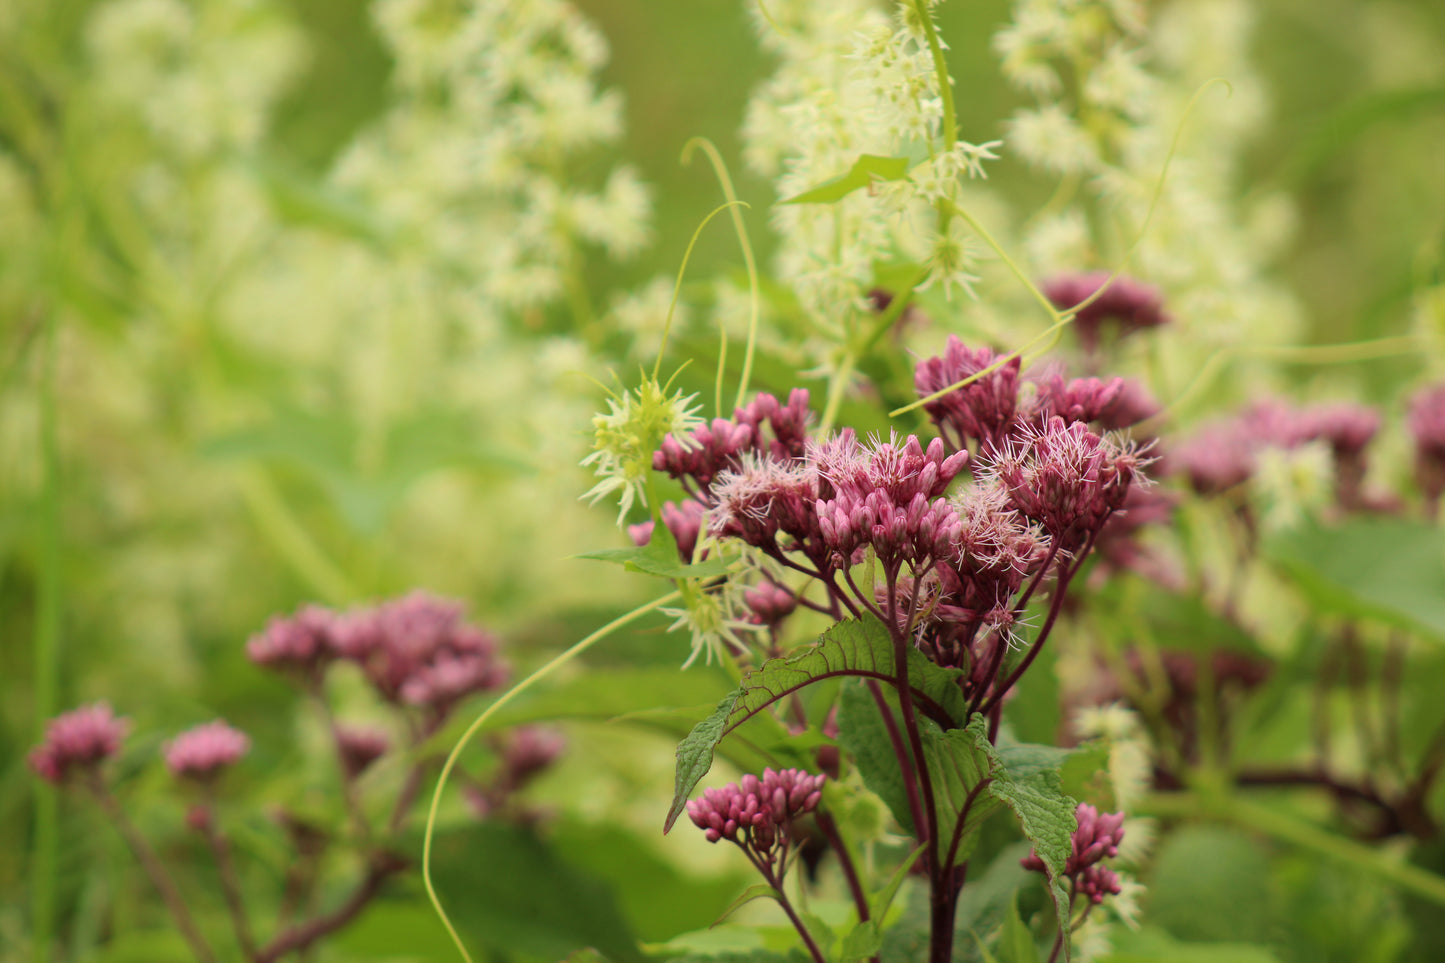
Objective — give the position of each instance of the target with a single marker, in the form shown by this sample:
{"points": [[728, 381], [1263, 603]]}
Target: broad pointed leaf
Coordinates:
{"points": [[865, 170], [660, 557], [857, 648]]}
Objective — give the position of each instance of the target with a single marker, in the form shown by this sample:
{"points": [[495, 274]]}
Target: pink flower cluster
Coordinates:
{"points": [[992, 411], [1096, 839], [889, 498], [764, 428], [416, 650], [1427, 425], [1131, 304], [358, 747], [1066, 478], [1225, 454], [78, 741], [203, 752], [983, 411], [756, 814]]}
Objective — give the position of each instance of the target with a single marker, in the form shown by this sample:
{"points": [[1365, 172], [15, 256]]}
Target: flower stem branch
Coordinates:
{"points": [[154, 869]]}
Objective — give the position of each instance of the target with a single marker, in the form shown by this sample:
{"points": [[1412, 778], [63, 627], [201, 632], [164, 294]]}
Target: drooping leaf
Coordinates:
{"points": [[755, 891], [505, 888], [854, 648], [1021, 776], [865, 170], [1387, 569]]}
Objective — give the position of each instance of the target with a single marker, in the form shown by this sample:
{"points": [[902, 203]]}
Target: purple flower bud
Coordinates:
{"points": [[1427, 425], [1097, 838], [78, 740], [1133, 305], [203, 752], [301, 645], [417, 650], [359, 747], [982, 411], [757, 813], [769, 603]]}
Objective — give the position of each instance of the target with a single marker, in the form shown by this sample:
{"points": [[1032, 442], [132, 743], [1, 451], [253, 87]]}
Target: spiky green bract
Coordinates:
{"points": [[860, 648], [624, 439]]}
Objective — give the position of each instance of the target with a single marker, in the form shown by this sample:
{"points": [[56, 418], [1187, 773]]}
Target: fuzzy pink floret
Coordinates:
{"points": [[78, 740], [201, 753]]}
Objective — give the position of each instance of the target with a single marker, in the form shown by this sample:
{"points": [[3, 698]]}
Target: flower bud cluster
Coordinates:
{"points": [[757, 814], [414, 651], [78, 741], [202, 753], [1130, 304], [982, 411], [889, 498], [1097, 838], [1427, 426], [720, 446], [1066, 478], [1114, 404], [1226, 453]]}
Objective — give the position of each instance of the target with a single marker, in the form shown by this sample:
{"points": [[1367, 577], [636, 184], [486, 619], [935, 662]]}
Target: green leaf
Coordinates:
{"points": [[864, 737], [863, 941], [1212, 883], [1387, 569], [394, 930], [659, 557], [299, 199], [962, 765], [1153, 946], [865, 170], [658, 898], [741, 956], [857, 647], [1025, 778], [509, 890], [1016, 944], [755, 891], [882, 902]]}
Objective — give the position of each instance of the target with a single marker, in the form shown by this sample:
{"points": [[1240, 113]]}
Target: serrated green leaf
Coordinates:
{"points": [[1026, 779], [865, 170], [960, 762], [853, 648], [659, 557]]}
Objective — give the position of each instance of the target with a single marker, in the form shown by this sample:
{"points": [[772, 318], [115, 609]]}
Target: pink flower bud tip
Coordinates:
{"points": [[203, 752], [78, 740]]}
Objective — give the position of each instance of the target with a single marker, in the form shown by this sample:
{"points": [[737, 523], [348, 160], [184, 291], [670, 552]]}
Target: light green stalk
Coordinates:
{"points": [[44, 859], [482, 719]]}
